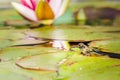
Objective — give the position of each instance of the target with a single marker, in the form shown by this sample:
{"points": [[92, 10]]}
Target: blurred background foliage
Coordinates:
{"points": [[94, 12]]}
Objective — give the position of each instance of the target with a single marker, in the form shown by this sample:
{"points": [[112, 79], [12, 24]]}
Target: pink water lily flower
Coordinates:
{"points": [[39, 10]]}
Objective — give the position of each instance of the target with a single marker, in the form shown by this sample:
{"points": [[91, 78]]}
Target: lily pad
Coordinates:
{"points": [[73, 33], [16, 34], [27, 41], [32, 74], [8, 75], [12, 37], [13, 15], [13, 53], [111, 45], [21, 42], [48, 61], [4, 43], [90, 68], [12, 34]]}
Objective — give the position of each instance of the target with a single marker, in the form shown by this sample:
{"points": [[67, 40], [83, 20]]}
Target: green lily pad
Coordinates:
{"points": [[27, 41], [108, 29], [12, 34], [8, 75], [73, 33], [33, 74], [12, 37], [4, 43], [9, 14], [20, 42], [90, 68], [112, 45], [16, 34], [48, 61], [13, 53]]}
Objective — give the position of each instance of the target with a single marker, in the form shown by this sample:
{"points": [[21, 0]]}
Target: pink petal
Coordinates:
{"points": [[55, 5], [59, 6], [26, 3], [25, 11], [30, 3], [63, 7], [34, 4], [48, 0]]}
